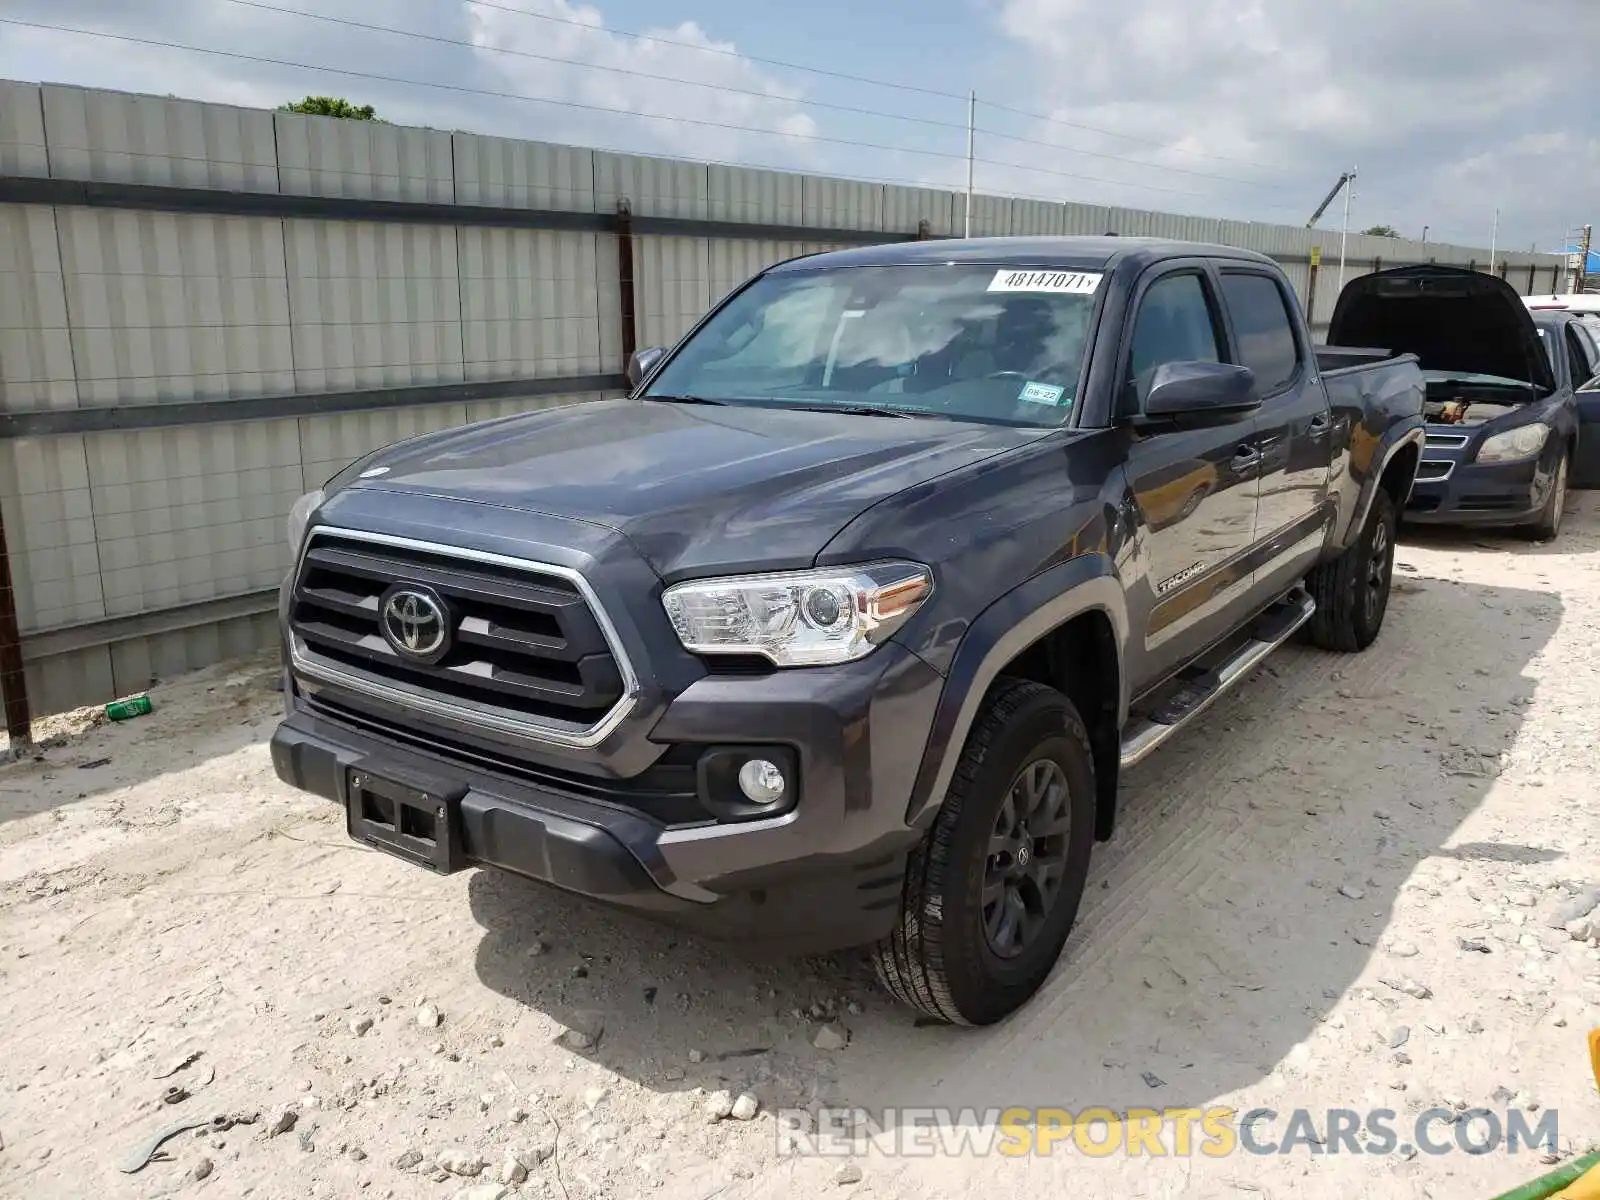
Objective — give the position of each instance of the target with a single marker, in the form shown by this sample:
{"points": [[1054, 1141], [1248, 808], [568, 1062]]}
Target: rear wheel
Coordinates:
{"points": [[1352, 591], [992, 892], [1555, 506]]}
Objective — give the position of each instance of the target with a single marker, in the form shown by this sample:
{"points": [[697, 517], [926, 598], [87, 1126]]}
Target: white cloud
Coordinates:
{"points": [[500, 52], [1412, 93]]}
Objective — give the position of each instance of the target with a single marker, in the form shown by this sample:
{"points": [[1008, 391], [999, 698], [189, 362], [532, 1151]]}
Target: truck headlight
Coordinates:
{"points": [[1522, 442], [300, 517], [798, 618]]}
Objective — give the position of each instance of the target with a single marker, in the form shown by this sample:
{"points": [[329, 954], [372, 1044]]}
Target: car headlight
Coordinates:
{"points": [[300, 517], [1522, 442], [798, 618]]}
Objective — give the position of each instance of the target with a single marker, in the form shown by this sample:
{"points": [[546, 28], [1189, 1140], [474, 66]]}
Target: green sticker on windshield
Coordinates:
{"points": [[1042, 393]]}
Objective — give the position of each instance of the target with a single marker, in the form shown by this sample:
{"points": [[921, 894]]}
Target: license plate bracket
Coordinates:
{"points": [[418, 820]]}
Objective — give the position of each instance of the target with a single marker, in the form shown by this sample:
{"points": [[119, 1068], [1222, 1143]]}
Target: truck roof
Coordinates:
{"points": [[1074, 253]]}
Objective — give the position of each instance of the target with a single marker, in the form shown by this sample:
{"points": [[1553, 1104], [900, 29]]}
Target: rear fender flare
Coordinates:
{"points": [[1001, 632], [1392, 445]]}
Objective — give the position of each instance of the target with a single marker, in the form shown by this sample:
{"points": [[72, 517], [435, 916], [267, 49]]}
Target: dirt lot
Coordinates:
{"points": [[1338, 822]]}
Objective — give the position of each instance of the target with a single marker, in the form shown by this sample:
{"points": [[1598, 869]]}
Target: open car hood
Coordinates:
{"points": [[1452, 319]]}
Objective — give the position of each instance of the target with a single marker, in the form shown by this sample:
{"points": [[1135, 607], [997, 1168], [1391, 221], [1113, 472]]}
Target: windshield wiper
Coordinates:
{"points": [[670, 399], [860, 410]]}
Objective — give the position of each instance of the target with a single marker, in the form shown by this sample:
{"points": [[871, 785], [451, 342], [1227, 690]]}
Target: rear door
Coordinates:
{"points": [[1292, 429], [1195, 487]]}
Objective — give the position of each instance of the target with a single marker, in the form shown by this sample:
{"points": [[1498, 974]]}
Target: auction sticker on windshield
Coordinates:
{"points": [[1070, 283]]}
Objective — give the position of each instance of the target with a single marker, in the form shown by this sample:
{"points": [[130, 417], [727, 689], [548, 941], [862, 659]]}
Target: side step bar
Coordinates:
{"points": [[1197, 692]]}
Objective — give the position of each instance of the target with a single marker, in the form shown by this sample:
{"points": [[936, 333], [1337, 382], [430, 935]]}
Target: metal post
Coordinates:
{"points": [[972, 122], [13, 679], [1583, 256], [1344, 234], [630, 331], [1311, 285], [1425, 235]]}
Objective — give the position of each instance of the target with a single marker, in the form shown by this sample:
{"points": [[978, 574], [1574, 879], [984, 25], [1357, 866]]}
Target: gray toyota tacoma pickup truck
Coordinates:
{"points": [[839, 630]]}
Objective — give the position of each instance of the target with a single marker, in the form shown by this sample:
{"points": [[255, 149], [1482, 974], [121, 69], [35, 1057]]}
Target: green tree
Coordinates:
{"points": [[332, 106], [1382, 231]]}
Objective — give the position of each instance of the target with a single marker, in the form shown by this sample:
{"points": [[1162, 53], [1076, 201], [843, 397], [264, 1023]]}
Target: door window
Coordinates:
{"points": [[1175, 324], [1582, 353], [1263, 329]]}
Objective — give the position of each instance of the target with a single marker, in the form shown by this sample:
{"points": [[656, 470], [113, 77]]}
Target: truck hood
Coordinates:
{"points": [[1452, 319], [696, 489]]}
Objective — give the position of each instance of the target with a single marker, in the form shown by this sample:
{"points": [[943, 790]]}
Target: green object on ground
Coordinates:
{"points": [[133, 706], [1549, 1185]]}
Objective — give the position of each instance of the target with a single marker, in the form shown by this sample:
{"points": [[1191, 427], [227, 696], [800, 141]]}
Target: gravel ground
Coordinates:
{"points": [[1417, 815]]}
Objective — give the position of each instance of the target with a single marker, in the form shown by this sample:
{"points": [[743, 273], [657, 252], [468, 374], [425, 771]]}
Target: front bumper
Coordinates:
{"points": [[1472, 493], [825, 875]]}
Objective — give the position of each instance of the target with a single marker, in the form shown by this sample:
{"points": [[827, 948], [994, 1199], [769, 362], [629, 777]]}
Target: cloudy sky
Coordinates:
{"points": [[1239, 108]]}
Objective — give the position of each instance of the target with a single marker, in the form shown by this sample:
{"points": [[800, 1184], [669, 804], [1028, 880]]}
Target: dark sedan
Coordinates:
{"points": [[1504, 429]]}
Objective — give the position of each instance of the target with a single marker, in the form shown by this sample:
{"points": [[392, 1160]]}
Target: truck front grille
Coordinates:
{"points": [[526, 650]]}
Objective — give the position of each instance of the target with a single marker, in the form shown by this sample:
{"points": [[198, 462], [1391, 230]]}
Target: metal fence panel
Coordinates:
{"points": [[168, 307], [137, 663], [373, 304], [841, 203], [22, 142], [733, 262], [1037, 218], [674, 286], [759, 197], [50, 532], [508, 173], [192, 513], [331, 156], [991, 216], [65, 681], [657, 187], [117, 137], [528, 304], [36, 368], [904, 207]]}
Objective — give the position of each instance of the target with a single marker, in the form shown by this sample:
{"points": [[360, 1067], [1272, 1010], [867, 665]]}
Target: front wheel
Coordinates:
{"points": [[991, 893], [1555, 506], [1352, 591]]}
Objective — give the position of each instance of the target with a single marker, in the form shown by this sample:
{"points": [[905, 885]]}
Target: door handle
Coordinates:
{"points": [[1245, 456], [1320, 423]]}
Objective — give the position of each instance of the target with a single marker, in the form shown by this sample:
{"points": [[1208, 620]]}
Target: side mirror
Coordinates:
{"points": [[641, 362], [1218, 391]]}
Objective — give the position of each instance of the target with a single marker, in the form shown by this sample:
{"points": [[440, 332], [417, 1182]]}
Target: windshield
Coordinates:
{"points": [[1004, 346]]}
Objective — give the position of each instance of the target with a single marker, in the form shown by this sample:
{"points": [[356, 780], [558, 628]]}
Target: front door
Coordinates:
{"points": [[1585, 468], [1293, 427], [1195, 487]]}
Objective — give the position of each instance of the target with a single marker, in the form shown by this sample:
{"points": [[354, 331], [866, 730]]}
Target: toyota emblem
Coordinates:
{"points": [[415, 623]]}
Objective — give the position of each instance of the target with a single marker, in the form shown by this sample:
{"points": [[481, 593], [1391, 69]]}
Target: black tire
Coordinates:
{"points": [[1352, 591], [1555, 506], [942, 958]]}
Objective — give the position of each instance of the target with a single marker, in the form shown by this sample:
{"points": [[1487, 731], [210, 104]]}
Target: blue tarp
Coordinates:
{"points": [[1593, 265]]}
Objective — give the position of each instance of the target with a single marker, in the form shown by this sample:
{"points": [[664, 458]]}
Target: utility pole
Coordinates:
{"points": [[1425, 235], [972, 121], [1344, 234], [1583, 258], [1494, 238]]}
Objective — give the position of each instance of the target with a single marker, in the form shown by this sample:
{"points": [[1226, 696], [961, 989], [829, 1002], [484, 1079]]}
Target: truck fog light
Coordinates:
{"points": [[762, 781]]}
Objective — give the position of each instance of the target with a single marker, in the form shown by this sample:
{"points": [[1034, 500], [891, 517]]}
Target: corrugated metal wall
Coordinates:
{"points": [[141, 553]]}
